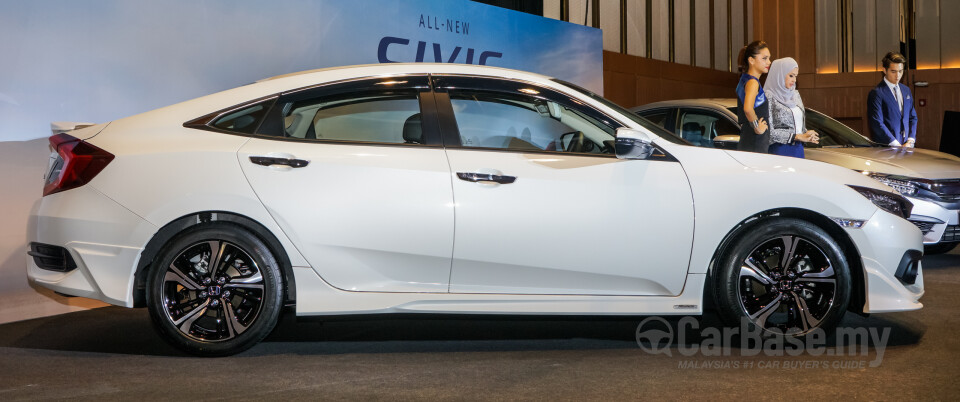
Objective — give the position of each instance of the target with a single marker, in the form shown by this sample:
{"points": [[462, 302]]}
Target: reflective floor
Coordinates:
{"points": [[112, 353]]}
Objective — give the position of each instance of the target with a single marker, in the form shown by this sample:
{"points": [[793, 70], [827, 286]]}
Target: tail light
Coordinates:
{"points": [[76, 164]]}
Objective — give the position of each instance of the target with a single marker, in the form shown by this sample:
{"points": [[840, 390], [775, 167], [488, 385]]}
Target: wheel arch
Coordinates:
{"points": [[177, 226], [846, 244]]}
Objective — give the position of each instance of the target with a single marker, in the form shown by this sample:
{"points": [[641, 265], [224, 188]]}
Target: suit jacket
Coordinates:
{"points": [[886, 121]]}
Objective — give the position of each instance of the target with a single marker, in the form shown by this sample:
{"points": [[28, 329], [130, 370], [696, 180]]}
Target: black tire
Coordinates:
{"points": [[210, 312], [810, 291], [939, 248]]}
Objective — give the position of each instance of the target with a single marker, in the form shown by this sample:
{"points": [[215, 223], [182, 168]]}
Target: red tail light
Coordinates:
{"points": [[77, 164]]}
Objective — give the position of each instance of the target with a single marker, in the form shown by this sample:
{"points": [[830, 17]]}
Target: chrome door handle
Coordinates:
{"points": [[270, 161], [478, 177]]}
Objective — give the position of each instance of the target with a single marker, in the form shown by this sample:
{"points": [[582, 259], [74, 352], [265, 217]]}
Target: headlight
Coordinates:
{"points": [[903, 186], [893, 203]]}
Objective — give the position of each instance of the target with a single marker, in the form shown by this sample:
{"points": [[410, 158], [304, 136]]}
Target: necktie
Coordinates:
{"points": [[899, 97]]}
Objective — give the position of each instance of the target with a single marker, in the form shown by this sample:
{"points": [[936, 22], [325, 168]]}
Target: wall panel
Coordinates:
{"points": [[864, 35], [681, 31], [950, 29], [610, 24], [702, 31], [660, 12], [637, 27], [827, 36], [721, 47], [928, 34]]}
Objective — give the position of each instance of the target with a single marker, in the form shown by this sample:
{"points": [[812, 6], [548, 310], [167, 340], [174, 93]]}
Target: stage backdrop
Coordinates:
{"points": [[99, 60]]}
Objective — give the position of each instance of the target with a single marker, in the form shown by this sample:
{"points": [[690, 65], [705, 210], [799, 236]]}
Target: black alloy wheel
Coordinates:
{"points": [[215, 290], [785, 277]]}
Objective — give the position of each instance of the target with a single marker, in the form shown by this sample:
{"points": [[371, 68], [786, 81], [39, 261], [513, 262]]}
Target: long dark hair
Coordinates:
{"points": [[749, 51]]}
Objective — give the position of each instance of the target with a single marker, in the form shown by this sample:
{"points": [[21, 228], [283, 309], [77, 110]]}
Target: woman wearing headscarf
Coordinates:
{"points": [[788, 126]]}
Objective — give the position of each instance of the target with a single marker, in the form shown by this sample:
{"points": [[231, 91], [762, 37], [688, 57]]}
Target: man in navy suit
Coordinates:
{"points": [[893, 120]]}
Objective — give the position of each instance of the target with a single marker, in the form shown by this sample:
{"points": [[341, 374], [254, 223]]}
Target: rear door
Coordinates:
{"points": [[355, 175]]}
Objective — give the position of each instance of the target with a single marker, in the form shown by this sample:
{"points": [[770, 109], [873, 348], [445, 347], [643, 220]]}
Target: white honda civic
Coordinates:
{"points": [[437, 188]]}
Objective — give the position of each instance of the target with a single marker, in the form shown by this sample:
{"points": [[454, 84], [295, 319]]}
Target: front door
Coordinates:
{"points": [[545, 207]]}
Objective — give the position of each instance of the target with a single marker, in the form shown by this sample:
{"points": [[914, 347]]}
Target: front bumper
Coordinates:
{"points": [[883, 241], [937, 223], [102, 238]]}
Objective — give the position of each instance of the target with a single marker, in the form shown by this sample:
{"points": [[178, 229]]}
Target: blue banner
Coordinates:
{"points": [[100, 60]]}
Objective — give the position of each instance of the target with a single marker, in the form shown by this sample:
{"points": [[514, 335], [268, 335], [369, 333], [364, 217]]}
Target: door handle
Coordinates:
{"points": [[270, 161], [478, 177]]}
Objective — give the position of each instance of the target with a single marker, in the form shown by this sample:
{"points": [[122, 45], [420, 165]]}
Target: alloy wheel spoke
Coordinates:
{"points": [[174, 274], [247, 296], [760, 317], [188, 319], [789, 251], [188, 303], [749, 269], [826, 273], [258, 286], [804, 315], [819, 291], [816, 280], [216, 254], [255, 278], [234, 327]]}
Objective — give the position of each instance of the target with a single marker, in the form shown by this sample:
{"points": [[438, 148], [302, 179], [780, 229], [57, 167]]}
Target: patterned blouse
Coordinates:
{"points": [[783, 126]]}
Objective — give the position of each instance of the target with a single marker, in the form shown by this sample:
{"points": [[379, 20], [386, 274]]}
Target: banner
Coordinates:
{"points": [[99, 60]]}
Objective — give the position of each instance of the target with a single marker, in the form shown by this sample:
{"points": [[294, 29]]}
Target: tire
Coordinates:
{"points": [[939, 248], [214, 312], [810, 291]]}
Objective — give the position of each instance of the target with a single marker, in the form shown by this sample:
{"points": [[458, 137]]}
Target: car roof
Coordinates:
{"points": [[722, 103], [422, 68]]}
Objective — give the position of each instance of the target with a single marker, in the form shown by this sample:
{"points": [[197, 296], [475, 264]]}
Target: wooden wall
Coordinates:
{"points": [[632, 81]]}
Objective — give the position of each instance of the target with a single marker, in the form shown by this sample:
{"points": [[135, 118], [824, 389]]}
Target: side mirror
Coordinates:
{"points": [[726, 141], [633, 144]]}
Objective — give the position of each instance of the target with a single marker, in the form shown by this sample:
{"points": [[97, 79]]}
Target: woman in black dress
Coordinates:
{"points": [[751, 102]]}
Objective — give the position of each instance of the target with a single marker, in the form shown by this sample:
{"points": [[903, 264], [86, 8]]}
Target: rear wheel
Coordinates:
{"points": [[784, 276], [215, 290]]}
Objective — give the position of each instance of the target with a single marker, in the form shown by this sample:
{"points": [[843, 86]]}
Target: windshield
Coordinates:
{"points": [[647, 124], [832, 133]]}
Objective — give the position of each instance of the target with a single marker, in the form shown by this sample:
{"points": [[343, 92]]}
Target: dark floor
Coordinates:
{"points": [[113, 354]]}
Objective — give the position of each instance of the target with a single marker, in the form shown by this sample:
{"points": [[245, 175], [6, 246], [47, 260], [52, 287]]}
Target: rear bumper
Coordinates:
{"points": [[883, 242], [102, 238]]}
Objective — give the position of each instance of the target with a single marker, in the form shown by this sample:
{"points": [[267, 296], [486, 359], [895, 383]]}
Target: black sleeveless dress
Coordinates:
{"points": [[749, 140]]}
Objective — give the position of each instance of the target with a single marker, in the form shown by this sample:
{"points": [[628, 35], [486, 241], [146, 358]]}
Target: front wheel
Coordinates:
{"points": [[214, 290], [784, 276]]}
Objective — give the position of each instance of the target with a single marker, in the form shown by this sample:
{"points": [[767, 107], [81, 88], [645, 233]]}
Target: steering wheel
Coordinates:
{"points": [[576, 143]]}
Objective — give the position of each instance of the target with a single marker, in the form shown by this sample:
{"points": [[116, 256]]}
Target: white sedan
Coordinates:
{"points": [[437, 188]]}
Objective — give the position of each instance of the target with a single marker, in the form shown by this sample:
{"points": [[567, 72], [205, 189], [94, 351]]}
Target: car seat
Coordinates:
{"points": [[413, 130]]}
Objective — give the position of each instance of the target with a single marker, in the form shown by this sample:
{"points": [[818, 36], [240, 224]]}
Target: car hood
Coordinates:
{"points": [[838, 174], [910, 162]]}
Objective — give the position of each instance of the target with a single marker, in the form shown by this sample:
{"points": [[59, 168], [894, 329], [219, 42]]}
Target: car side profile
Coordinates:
{"points": [[439, 188], [929, 179]]}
